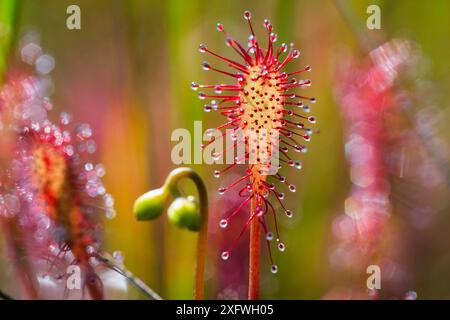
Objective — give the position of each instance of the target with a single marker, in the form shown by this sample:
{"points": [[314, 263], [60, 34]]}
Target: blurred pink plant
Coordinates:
{"points": [[382, 149], [366, 97], [52, 196]]}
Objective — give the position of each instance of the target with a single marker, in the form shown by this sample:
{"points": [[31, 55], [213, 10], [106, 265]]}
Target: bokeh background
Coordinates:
{"points": [[128, 71]]}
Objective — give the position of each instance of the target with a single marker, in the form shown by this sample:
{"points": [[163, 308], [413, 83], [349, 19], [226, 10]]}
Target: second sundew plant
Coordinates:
{"points": [[260, 102], [52, 196]]}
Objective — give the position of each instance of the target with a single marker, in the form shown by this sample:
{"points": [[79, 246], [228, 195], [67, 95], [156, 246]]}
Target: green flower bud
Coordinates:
{"points": [[185, 213], [150, 205]]}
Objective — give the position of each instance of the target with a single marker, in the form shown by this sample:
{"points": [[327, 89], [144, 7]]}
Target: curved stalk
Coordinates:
{"points": [[172, 180]]}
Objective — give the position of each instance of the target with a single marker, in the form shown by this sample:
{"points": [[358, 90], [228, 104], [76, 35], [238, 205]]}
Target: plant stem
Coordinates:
{"points": [[17, 255], [172, 181], [4, 296], [111, 263], [254, 255]]}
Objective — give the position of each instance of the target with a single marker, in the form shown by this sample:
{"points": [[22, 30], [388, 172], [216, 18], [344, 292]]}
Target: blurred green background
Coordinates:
{"points": [[128, 73]]}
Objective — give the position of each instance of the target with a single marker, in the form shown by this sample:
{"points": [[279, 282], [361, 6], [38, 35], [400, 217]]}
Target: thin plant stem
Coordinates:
{"points": [[15, 251], [4, 296], [138, 283], [254, 255], [172, 181]]}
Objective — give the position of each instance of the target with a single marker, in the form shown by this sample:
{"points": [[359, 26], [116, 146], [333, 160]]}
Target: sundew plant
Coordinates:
{"points": [[271, 120]]}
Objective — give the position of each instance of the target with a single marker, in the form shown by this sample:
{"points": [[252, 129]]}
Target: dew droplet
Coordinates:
{"points": [[207, 108], [88, 166], [306, 83], [101, 190], [219, 27], [289, 213], [65, 118], [93, 261], [259, 211], [30, 52], [69, 150], [43, 222], [110, 213], [295, 54], [47, 129], [222, 190], [223, 223], [247, 15], [225, 255], [118, 256], [206, 66], [109, 200], [269, 236], [274, 269], [411, 295], [280, 195], [91, 146], [273, 37], [45, 64], [84, 131], [281, 246], [90, 250], [202, 96], [202, 48], [312, 119], [194, 86], [292, 188]]}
